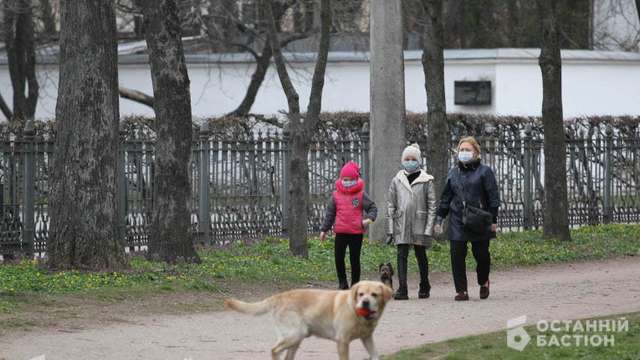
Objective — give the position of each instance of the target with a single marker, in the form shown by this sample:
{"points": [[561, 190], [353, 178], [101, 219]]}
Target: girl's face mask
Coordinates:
{"points": [[411, 166], [349, 183], [465, 156]]}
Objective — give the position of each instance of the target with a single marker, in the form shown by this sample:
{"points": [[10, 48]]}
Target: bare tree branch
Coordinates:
{"points": [[317, 83], [262, 66], [287, 85], [135, 95], [246, 48], [5, 109]]}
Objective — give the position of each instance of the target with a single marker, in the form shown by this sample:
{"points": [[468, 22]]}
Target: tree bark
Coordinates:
{"points": [[135, 95], [433, 68], [85, 229], [298, 200], [454, 24], [48, 19], [556, 218], [19, 40], [513, 21], [171, 237], [301, 130]]}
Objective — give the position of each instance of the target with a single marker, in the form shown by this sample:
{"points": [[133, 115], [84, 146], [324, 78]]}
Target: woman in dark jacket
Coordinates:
{"points": [[474, 183]]}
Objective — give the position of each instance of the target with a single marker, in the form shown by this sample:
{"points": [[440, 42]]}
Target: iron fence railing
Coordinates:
{"points": [[239, 185]]}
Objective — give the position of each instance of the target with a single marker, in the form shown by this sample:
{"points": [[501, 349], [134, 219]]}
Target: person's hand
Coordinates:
{"points": [[366, 222], [437, 229], [323, 236], [389, 240], [494, 228]]}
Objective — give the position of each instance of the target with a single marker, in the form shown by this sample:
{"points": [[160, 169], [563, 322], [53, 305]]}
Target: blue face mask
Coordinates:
{"points": [[349, 183], [411, 166], [465, 156]]}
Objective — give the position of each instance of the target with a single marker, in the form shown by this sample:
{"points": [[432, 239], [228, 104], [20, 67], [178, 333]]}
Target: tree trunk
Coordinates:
{"points": [[18, 36], [454, 24], [171, 236], [301, 142], [433, 67], [301, 130], [513, 21], [84, 231], [387, 101], [297, 166], [556, 219]]}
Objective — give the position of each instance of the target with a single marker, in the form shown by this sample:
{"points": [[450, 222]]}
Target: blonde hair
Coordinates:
{"points": [[471, 141]]}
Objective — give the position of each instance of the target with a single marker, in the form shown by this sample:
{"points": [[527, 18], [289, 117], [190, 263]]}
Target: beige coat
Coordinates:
{"points": [[411, 209]]}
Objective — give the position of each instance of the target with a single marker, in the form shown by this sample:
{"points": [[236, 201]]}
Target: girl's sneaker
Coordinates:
{"points": [[462, 296]]}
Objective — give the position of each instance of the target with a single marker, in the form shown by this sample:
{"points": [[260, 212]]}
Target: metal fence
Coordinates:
{"points": [[239, 185]]}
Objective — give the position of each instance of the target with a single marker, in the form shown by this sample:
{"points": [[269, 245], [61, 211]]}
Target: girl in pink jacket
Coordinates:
{"points": [[349, 212]]}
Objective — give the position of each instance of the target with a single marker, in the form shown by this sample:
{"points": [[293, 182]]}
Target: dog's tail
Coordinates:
{"points": [[257, 308]]}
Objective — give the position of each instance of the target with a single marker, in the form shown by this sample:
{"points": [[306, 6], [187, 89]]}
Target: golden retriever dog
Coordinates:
{"points": [[341, 316]]}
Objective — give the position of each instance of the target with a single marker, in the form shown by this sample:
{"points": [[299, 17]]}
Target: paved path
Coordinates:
{"points": [[564, 291]]}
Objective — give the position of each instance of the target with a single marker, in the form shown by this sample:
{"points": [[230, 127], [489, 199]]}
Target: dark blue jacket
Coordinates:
{"points": [[480, 189]]}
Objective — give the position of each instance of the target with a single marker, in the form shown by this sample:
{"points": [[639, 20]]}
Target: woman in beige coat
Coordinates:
{"points": [[411, 211]]}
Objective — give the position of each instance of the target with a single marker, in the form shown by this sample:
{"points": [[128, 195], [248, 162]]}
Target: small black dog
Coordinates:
{"points": [[386, 274]]}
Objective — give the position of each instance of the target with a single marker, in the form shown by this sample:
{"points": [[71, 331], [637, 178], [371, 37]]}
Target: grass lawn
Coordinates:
{"points": [[626, 346], [242, 269]]}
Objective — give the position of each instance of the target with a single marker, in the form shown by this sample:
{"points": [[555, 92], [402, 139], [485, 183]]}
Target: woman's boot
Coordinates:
{"points": [[425, 290], [402, 292], [423, 265]]}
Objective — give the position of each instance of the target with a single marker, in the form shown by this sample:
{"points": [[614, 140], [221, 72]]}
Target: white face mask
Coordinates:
{"points": [[349, 183], [465, 156], [411, 166]]}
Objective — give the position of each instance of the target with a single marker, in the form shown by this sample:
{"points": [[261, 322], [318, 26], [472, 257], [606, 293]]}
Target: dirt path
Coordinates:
{"points": [[550, 292]]}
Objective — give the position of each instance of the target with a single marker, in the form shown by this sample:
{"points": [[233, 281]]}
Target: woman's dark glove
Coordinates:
{"points": [[389, 240]]}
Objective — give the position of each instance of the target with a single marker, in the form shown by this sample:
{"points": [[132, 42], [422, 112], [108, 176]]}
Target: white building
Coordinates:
{"points": [[594, 82]]}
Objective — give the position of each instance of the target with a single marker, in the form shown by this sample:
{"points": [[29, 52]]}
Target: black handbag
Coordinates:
{"points": [[475, 221]]}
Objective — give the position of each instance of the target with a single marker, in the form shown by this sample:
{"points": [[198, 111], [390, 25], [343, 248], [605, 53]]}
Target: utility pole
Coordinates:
{"points": [[387, 127]]}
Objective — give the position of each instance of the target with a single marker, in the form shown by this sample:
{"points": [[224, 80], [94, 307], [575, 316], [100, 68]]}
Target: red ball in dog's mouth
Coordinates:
{"points": [[364, 312]]}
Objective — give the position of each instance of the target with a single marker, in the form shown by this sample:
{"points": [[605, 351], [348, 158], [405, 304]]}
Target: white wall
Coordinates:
{"points": [[590, 87], [587, 89]]}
